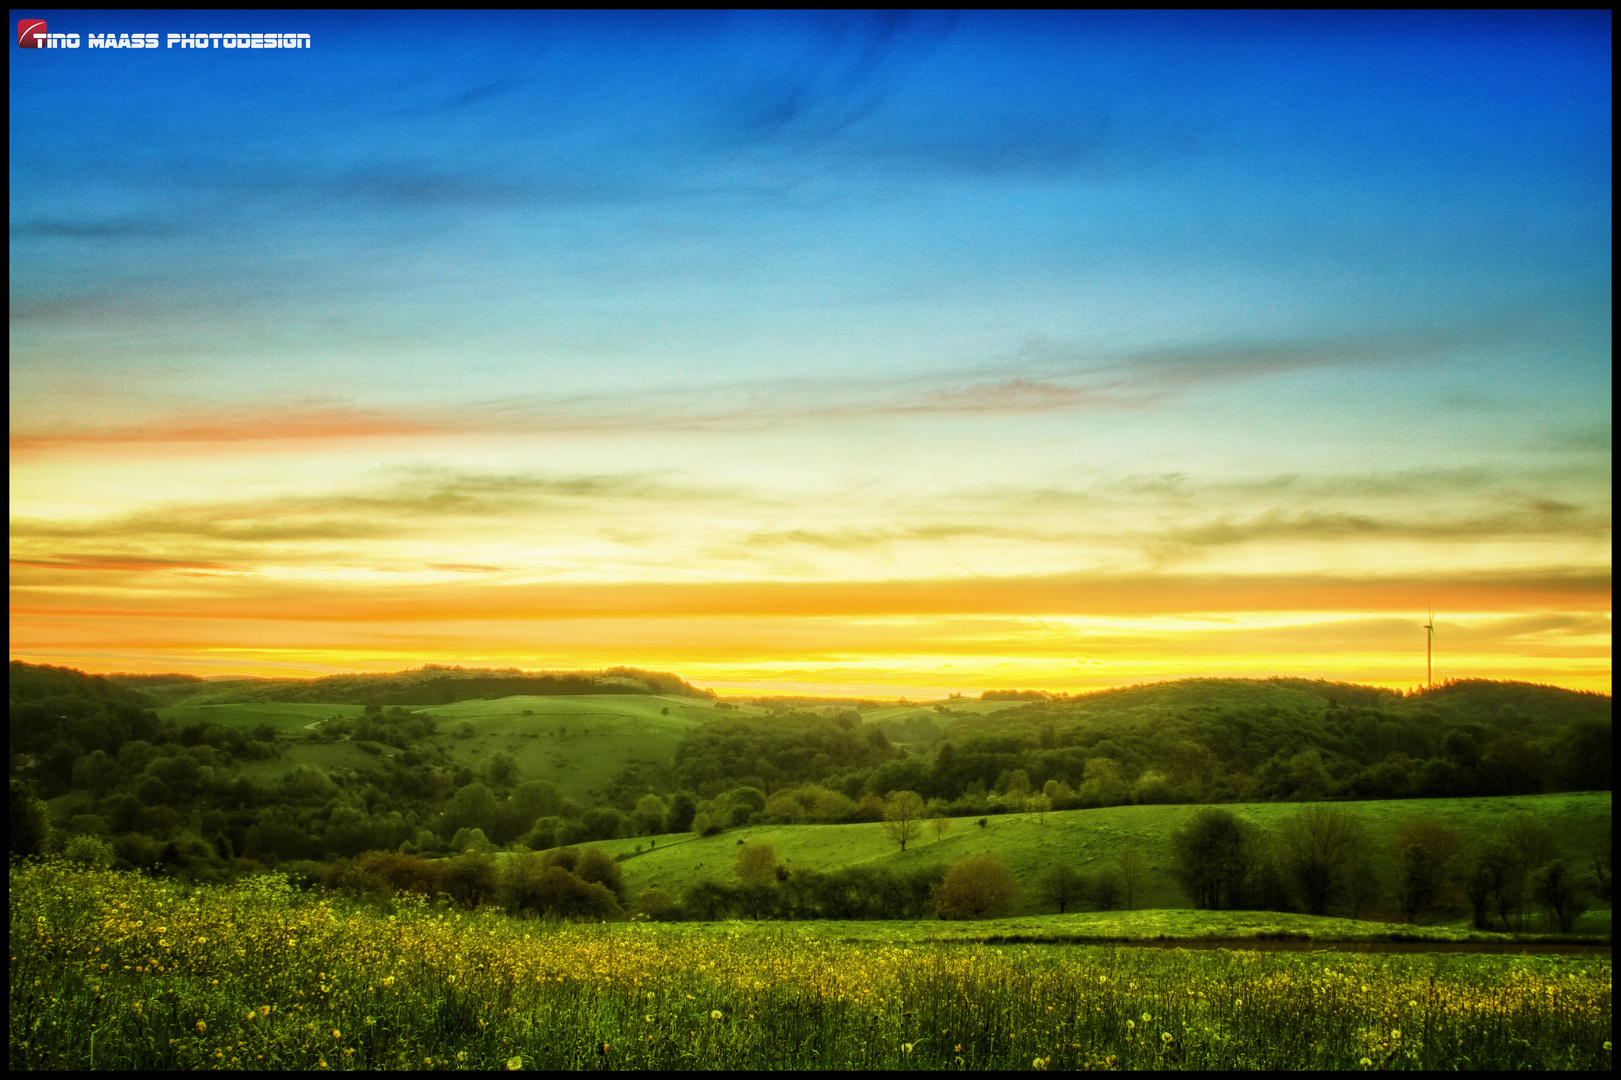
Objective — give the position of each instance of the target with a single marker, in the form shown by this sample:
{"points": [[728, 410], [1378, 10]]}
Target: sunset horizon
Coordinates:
{"points": [[840, 354]]}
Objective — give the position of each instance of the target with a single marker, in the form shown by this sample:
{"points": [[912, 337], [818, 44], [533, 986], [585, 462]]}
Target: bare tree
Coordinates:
{"points": [[1425, 855], [1107, 889], [1554, 887], [1322, 846], [903, 816], [1132, 866]]}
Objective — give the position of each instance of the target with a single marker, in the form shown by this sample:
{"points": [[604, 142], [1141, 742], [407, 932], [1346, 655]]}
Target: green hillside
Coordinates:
{"points": [[1089, 839], [577, 744]]}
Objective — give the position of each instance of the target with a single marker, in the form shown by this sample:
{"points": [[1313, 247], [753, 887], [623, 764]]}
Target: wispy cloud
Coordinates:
{"points": [[411, 497], [1539, 517], [1042, 379], [96, 229], [121, 563]]}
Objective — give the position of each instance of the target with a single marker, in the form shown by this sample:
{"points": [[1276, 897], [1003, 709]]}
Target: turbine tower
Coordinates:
{"points": [[1429, 652]]}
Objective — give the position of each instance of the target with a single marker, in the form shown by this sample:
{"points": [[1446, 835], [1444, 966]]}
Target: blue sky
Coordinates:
{"points": [[1211, 277]]}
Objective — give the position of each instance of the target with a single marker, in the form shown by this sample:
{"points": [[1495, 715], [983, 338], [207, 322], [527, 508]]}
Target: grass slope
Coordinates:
{"points": [[576, 744], [1088, 839]]}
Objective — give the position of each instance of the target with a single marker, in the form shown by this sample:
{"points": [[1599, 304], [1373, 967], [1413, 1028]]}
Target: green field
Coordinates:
{"points": [[1088, 839], [575, 743], [122, 971]]}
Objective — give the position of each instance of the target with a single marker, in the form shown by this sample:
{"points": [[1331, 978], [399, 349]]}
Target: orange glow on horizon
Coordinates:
{"points": [[873, 638]]}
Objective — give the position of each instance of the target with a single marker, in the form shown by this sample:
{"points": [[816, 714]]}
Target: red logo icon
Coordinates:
{"points": [[30, 33]]}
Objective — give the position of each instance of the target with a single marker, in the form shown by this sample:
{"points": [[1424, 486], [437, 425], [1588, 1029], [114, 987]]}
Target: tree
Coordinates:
{"points": [[1424, 854], [597, 866], [903, 816], [1039, 805], [1554, 887], [1015, 783], [31, 832], [1322, 846], [1106, 890], [1214, 853], [756, 863], [649, 814], [1062, 886], [1418, 880], [976, 888], [682, 808], [941, 825], [1531, 840], [1599, 869], [503, 769], [1102, 784], [1133, 868], [1152, 787]]}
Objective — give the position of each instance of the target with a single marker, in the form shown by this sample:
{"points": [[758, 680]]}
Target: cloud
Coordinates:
{"points": [[123, 563], [1053, 379], [96, 229], [1536, 517], [857, 539], [828, 76], [413, 496]]}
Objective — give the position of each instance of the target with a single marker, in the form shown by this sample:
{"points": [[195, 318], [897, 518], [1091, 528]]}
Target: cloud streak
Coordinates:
{"points": [[418, 495], [1055, 381]]}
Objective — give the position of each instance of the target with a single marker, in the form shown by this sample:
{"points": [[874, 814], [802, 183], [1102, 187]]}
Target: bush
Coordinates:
{"points": [[89, 851], [976, 888], [469, 879], [597, 866]]}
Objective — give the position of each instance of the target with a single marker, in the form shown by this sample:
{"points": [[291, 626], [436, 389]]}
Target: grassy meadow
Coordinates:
{"points": [[116, 970], [1088, 840], [574, 743]]}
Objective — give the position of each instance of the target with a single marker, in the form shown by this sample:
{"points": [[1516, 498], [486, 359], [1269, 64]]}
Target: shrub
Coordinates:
{"points": [[90, 851], [596, 865], [976, 888], [756, 863]]}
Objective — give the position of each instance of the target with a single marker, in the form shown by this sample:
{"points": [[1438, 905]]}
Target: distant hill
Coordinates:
{"points": [[37, 682], [432, 684]]}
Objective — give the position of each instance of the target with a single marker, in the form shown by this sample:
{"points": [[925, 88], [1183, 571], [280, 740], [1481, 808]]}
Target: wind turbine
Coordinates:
{"points": [[1429, 652]]}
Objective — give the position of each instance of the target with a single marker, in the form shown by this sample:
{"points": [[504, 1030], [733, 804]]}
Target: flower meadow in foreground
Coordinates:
{"points": [[113, 970]]}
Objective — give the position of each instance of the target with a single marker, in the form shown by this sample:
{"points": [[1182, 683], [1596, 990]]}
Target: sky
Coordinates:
{"points": [[827, 353]]}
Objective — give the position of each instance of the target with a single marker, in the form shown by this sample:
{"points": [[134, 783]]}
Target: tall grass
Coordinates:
{"points": [[112, 970]]}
